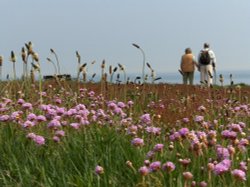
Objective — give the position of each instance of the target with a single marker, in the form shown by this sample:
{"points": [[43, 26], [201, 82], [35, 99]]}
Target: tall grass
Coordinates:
{"points": [[1, 64], [66, 164]]}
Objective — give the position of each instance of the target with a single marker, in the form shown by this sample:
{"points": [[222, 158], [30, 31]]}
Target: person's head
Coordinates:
{"points": [[206, 45], [188, 50]]}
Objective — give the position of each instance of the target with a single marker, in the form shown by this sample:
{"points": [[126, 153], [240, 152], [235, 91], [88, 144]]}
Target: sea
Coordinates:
{"points": [[237, 77]]}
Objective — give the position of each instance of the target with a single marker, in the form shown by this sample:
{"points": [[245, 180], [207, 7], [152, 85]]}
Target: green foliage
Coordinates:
{"points": [[68, 163]]}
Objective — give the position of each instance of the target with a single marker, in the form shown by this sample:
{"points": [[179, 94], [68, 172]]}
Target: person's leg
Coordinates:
{"points": [[191, 78], [184, 78], [206, 75], [187, 77], [203, 73], [210, 75]]}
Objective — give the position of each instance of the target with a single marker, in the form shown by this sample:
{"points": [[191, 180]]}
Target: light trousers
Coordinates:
{"points": [[206, 74]]}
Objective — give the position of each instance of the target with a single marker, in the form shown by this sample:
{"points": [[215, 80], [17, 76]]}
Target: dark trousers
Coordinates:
{"points": [[188, 77]]}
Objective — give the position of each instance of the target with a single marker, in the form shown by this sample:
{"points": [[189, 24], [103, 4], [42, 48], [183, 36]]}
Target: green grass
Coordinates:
{"points": [[70, 163]]}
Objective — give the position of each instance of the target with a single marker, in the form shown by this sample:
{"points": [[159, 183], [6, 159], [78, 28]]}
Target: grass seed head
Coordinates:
{"points": [[84, 65], [1, 60], [12, 57], [135, 45], [121, 67], [32, 76], [149, 66], [35, 57], [110, 70], [115, 69], [84, 75], [24, 55], [129, 164], [29, 47], [103, 64], [52, 50], [78, 57], [35, 66], [48, 59], [221, 78], [105, 77]]}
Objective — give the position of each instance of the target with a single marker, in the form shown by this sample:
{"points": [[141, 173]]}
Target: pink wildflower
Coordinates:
{"points": [[56, 139], [27, 106], [187, 175], [39, 140], [99, 170], [222, 153], [75, 125], [60, 133], [28, 123], [138, 142], [20, 101], [31, 117], [40, 118], [145, 119], [199, 119], [143, 170], [239, 174], [185, 120], [168, 166], [155, 166], [222, 167], [31, 135], [54, 124], [153, 130], [4, 118], [243, 166], [158, 147]]}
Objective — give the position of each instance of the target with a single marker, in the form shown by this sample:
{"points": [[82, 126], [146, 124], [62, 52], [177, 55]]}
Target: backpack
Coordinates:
{"points": [[204, 58]]}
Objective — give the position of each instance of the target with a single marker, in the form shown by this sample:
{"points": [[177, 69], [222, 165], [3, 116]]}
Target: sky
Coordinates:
{"points": [[105, 30]]}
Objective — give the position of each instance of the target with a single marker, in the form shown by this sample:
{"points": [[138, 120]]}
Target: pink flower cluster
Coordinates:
{"points": [[39, 140]]}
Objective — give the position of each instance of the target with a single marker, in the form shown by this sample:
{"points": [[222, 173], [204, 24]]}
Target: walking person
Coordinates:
{"points": [[188, 64], [207, 63]]}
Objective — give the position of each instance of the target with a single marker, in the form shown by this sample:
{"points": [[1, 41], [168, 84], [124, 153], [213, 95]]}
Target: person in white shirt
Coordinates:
{"points": [[207, 61]]}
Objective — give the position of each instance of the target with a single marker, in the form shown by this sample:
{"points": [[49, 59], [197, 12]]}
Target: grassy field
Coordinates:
{"points": [[65, 133]]}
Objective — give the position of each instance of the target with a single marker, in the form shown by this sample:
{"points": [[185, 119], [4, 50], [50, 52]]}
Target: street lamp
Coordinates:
{"points": [[143, 66], [49, 60]]}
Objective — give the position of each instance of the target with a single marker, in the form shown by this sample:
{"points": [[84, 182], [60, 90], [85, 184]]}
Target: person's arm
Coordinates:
{"points": [[181, 61], [212, 55], [180, 70], [198, 58], [196, 63]]}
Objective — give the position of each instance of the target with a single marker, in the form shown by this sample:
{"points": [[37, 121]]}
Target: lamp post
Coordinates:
{"points": [[143, 65], [49, 60]]}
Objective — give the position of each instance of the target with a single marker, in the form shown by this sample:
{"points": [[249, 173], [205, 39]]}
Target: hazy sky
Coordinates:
{"points": [[105, 29]]}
